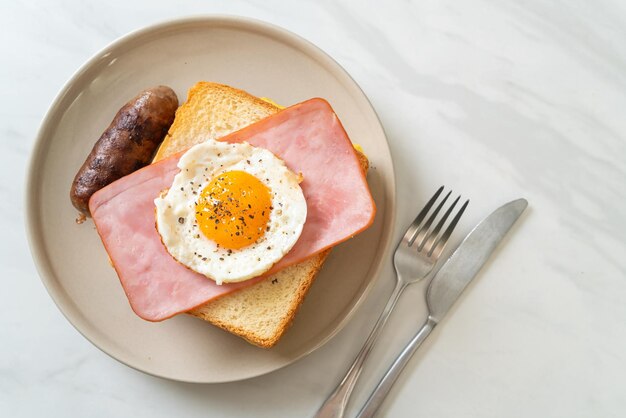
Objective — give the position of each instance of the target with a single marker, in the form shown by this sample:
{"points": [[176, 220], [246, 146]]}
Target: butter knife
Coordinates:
{"points": [[446, 287]]}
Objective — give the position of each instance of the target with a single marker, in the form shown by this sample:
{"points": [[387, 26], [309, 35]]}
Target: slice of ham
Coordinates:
{"points": [[307, 136]]}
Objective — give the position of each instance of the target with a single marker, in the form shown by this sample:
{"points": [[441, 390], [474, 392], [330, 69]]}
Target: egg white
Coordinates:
{"points": [[176, 208]]}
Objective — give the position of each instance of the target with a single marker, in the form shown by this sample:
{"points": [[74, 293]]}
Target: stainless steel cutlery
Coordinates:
{"points": [[414, 259], [447, 285]]}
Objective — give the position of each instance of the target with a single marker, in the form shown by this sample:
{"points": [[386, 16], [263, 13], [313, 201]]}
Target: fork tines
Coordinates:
{"points": [[420, 233]]}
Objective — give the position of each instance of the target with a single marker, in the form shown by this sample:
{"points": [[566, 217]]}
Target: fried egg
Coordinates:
{"points": [[232, 211]]}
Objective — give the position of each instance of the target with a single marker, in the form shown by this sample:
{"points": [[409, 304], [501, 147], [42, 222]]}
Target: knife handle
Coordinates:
{"points": [[379, 394]]}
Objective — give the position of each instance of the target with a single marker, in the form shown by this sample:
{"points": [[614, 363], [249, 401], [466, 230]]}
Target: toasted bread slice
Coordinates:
{"points": [[212, 111], [262, 312]]}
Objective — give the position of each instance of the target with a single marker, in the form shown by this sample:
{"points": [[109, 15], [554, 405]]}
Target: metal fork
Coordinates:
{"points": [[414, 259]]}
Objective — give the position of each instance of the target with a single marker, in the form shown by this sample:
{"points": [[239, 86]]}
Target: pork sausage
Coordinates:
{"points": [[127, 144]]}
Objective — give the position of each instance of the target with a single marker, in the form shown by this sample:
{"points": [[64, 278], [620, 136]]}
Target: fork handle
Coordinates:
{"points": [[335, 404], [384, 386]]}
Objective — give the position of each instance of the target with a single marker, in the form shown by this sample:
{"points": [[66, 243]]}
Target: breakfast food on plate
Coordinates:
{"points": [[311, 142], [232, 211], [262, 312], [127, 144]]}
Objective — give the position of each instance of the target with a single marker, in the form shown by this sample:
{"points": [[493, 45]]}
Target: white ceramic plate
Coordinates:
{"points": [[257, 57]]}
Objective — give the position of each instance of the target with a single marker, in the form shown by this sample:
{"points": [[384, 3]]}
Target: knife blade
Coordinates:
{"points": [[469, 257], [447, 285]]}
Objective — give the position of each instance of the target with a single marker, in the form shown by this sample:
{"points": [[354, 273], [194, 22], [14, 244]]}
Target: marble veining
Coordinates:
{"points": [[496, 99]]}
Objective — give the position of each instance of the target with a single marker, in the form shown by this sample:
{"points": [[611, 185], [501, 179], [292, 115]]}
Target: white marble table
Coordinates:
{"points": [[495, 99]]}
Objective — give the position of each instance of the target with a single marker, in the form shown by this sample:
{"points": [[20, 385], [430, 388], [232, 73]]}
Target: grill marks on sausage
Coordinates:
{"points": [[127, 144]]}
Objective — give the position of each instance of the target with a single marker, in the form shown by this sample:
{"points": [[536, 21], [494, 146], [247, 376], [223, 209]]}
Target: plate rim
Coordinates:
{"points": [[32, 223]]}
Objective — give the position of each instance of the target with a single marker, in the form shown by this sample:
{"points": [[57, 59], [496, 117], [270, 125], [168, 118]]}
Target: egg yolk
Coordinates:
{"points": [[233, 210]]}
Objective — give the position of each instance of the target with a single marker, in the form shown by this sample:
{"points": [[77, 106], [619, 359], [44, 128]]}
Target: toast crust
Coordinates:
{"points": [[211, 111], [260, 313]]}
